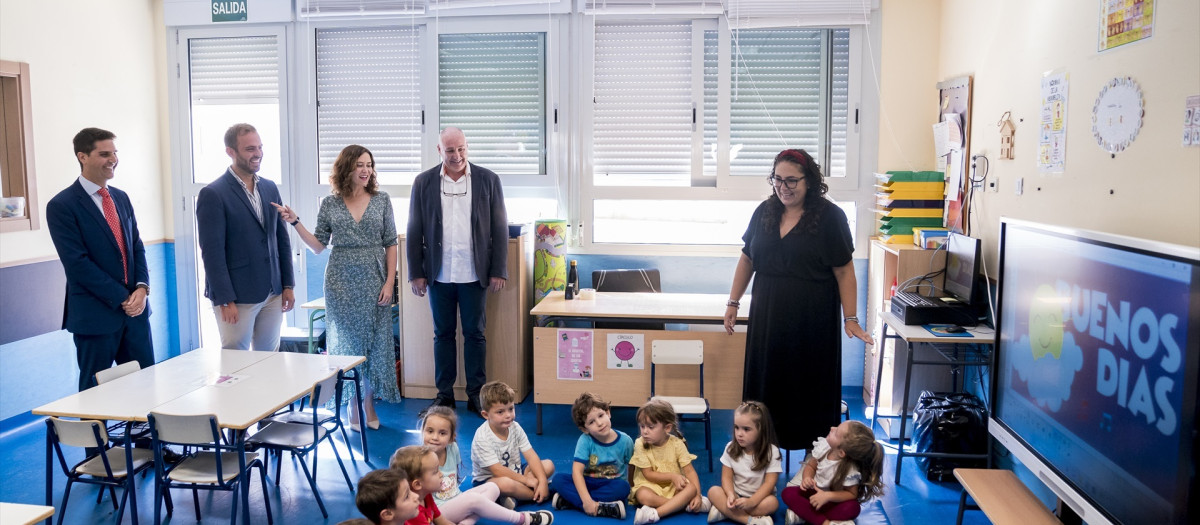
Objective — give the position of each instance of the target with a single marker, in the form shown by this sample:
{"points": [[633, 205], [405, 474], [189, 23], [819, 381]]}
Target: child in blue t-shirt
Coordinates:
{"points": [[598, 483]]}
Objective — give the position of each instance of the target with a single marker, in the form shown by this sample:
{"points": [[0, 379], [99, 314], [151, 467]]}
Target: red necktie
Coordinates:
{"points": [[110, 215]]}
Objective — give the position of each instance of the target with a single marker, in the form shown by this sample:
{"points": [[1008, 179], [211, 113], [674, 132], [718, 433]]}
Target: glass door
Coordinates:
{"points": [[223, 77]]}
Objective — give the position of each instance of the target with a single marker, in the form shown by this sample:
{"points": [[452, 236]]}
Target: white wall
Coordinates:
{"points": [[91, 64], [1152, 189]]}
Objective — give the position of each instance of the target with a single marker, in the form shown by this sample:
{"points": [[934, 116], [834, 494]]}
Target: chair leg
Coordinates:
{"points": [[112, 493], [342, 465], [313, 483], [233, 511], [708, 440], [346, 440], [278, 465], [158, 499], [121, 508], [262, 477], [67, 494], [170, 504], [196, 502]]}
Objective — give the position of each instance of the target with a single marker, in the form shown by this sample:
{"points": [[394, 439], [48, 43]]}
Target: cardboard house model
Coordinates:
{"points": [[1007, 129]]}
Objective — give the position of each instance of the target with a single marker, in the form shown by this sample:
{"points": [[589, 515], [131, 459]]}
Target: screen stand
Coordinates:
{"points": [[1066, 514]]}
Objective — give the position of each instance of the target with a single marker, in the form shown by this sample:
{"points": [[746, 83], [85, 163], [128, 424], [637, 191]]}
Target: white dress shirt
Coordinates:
{"points": [[458, 262]]}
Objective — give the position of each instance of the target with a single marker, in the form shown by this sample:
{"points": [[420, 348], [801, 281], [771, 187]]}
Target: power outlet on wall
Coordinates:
{"points": [[993, 184]]}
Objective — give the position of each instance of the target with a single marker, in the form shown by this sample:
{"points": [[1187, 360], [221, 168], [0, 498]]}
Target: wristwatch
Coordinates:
{"points": [[146, 287]]}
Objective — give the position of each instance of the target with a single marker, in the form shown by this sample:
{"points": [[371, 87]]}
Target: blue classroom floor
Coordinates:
{"points": [[22, 442]]}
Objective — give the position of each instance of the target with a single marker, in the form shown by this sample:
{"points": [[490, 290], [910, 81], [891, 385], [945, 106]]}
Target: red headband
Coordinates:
{"points": [[794, 155]]}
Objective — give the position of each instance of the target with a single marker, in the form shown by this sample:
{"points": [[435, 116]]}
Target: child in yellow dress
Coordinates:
{"points": [[664, 481]]}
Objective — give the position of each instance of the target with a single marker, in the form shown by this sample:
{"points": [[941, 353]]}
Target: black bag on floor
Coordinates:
{"points": [[949, 422]]}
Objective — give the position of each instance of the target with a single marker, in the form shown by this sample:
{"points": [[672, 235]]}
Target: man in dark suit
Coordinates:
{"points": [[96, 236], [457, 248], [245, 248]]}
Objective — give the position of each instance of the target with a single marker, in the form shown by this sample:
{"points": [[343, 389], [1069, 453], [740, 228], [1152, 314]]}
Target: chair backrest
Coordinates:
{"points": [[627, 280], [325, 389], [645, 280], [199, 429], [83, 433], [676, 352], [123, 369], [668, 352]]}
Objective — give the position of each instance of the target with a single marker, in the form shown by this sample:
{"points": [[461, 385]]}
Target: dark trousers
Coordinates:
{"points": [[447, 301], [131, 342], [601, 490]]}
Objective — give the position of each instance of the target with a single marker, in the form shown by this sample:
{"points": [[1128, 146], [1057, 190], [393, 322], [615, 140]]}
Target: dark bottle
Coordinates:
{"points": [[572, 282]]}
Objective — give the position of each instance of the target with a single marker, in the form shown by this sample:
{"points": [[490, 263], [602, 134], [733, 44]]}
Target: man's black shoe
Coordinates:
{"points": [[171, 457], [437, 402], [473, 407]]}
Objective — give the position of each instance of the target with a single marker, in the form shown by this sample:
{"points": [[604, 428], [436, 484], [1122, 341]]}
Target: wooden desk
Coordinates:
{"points": [[22, 514], [188, 384], [1002, 497], [955, 352], [724, 354]]}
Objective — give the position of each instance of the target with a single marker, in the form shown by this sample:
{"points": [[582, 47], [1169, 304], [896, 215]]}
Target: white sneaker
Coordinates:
{"points": [[714, 515], [760, 520], [705, 505], [645, 515], [792, 519], [842, 522]]}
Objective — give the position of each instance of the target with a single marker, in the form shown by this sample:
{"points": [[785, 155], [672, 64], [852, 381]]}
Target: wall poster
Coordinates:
{"points": [[1052, 137], [1125, 21], [627, 351], [575, 354]]}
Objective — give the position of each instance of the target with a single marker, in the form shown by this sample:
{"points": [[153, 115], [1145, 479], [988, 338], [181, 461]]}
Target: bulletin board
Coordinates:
{"points": [[954, 98]]}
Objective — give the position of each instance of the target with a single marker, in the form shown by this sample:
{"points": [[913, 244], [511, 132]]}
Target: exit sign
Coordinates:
{"points": [[229, 10]]}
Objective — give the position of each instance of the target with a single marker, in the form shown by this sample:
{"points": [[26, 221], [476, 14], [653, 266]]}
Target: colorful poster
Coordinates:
{"points": [[1125, 21], [575, 355], [1191, 121], [1052, 138], [549, 257], [627, 351]]}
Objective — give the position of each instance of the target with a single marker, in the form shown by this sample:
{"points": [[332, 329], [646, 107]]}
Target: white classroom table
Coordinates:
{"points": [[22, 514], [188, 384]]}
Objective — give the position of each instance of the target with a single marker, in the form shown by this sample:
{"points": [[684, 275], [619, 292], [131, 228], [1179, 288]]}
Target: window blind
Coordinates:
{"points": [[368, 93], [326, 8], [799, 13], [237, 70], [775, 97], [839, 107], [642, 120], [493, 87]]}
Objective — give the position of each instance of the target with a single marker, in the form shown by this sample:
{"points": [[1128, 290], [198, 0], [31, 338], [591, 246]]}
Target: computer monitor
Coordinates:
{"points": [[962, 266]]}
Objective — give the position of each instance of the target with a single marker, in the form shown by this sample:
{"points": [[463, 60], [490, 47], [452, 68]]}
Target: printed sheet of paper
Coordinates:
{"points": [[575, 355]]}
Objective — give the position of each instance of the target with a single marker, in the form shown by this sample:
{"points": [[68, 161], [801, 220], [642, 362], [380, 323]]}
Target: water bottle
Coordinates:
{"points": [[572, 282]]}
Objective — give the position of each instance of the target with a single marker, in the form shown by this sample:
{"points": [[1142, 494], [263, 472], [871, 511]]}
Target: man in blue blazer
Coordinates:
{"points": [[97, 239], [245, 248], [457, 248]]}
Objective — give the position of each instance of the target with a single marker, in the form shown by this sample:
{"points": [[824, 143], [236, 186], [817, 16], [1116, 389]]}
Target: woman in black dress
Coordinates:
{"points": [[798, 246]]}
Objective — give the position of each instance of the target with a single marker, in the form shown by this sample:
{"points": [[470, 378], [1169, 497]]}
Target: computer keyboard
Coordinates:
{"points": [[914, 299]]}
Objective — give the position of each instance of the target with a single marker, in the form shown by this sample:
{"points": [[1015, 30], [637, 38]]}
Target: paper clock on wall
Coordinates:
{"points": [[1117, 115]]}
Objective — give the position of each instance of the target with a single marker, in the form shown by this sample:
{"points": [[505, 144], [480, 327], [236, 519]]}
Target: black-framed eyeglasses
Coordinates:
{"points": [[790, 182], [450, 194]]}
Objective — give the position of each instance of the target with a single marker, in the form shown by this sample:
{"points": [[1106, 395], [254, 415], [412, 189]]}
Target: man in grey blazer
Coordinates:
{"points": [[245, 248], [457, 249]]}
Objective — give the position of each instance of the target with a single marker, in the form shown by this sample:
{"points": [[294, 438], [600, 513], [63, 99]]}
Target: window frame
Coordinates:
{"points": [[19, 160], [726, 187]]}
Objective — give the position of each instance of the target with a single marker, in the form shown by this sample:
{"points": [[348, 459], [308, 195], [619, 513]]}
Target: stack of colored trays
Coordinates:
{"points": [[907, 200]]}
